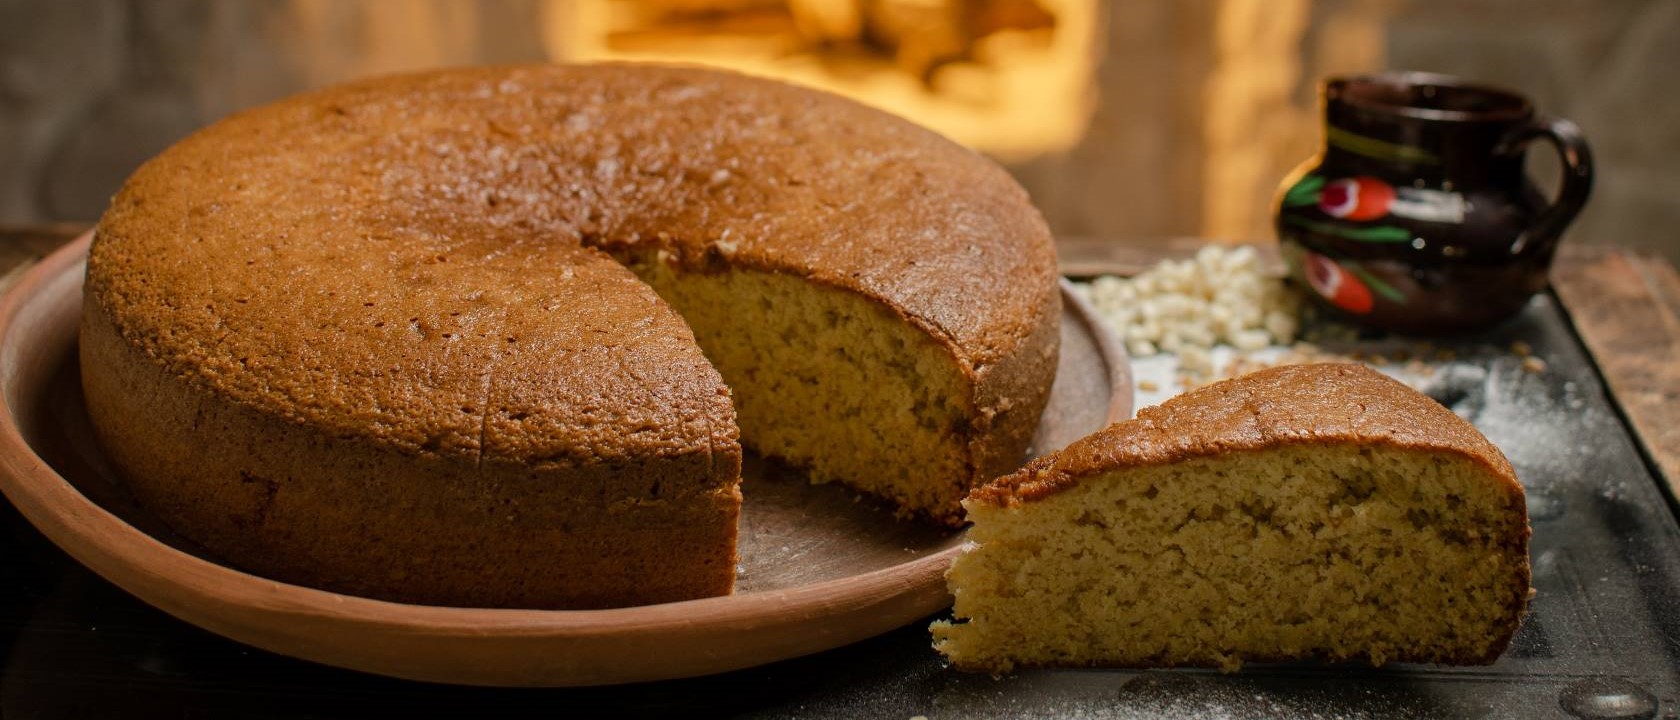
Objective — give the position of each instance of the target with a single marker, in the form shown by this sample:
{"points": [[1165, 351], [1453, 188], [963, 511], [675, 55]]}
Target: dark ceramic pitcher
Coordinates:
{"points": [[1417, 215]]}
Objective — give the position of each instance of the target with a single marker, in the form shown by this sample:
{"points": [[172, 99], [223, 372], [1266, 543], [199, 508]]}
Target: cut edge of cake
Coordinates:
{"points": [[852, 391]]}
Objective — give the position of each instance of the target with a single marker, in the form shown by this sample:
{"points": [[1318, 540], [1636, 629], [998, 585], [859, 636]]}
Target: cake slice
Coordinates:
{"points": [[1308, 511]]}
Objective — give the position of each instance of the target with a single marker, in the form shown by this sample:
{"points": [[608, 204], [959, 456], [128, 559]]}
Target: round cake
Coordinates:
{"points": [[494, 337]]}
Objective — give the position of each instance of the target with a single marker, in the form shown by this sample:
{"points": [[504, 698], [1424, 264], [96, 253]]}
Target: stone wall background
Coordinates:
{"points": [[1203, 105]]}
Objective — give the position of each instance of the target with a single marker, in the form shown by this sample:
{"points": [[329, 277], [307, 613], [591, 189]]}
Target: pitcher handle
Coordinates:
{"points": [[1571, 145]]}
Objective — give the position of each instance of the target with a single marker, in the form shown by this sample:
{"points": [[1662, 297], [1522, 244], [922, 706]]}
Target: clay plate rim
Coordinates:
{"points": [[478, 646]]}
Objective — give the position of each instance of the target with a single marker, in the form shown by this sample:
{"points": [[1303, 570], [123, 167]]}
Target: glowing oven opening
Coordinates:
{"points": [[1012, 78]]}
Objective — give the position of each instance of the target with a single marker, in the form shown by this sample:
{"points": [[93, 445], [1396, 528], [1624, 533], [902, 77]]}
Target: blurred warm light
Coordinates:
{"points": [[1013, 78], [1260, 120], [1255, 73]]}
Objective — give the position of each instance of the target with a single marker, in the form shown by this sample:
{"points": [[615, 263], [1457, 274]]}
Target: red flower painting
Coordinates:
{"points": [[1337, 285], [1360, 198]]}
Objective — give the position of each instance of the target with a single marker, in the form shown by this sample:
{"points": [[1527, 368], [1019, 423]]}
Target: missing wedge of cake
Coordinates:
{"points": [[1303, 512]]}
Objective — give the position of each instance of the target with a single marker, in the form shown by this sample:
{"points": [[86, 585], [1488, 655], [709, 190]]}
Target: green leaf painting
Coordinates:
{"points": [[1375, 283], [1378, 234], [1379, 149], [1304, 192]]}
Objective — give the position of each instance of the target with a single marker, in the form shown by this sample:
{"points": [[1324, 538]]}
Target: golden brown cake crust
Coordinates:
{"points": [[506, 169], [414, 266], [1292, 404]]}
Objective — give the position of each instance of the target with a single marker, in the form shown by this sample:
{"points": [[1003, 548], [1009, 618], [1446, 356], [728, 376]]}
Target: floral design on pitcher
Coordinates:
{"points": [[1344, 283], [1363, 199], [1338, 286], [1359, 198], [1416, 206]]}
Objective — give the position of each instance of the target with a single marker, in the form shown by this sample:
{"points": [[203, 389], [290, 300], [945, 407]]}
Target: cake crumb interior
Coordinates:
{"points": [[1336, 552], [830, 382]]}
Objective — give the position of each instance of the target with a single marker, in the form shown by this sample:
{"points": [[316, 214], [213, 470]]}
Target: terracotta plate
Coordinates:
{"points": [[819, 568]]}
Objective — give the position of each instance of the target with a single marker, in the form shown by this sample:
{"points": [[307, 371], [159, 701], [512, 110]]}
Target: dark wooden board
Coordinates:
{"points": [[1626, 308]]}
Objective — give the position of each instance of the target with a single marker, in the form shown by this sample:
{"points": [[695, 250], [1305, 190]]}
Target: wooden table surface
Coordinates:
{"points": [[1624, 304]]}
